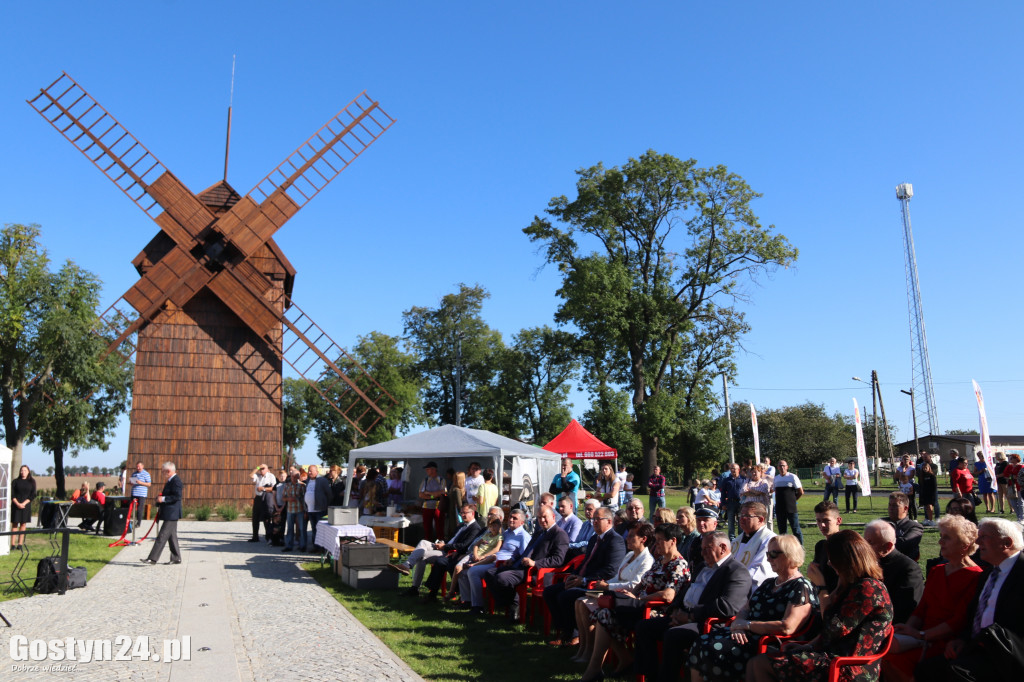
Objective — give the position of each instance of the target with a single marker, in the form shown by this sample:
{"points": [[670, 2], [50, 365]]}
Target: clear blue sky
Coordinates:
{"points": [[822, 108]]}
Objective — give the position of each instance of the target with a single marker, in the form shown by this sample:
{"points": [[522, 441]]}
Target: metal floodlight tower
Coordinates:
{"points": [[923, 398]]}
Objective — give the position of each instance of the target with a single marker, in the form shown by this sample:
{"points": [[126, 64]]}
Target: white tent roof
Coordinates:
{"points": [[446, 442], [450, 441]]}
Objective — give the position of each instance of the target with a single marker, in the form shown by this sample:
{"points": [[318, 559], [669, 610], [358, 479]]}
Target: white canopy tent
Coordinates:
{"points": [[530, 467]]}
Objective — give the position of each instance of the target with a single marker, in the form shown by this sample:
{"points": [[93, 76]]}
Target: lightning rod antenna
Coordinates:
{"points": [[231, 100]]}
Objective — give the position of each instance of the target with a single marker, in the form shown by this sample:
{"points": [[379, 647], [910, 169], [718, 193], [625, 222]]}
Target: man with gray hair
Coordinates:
{"points": [[1000, 594], [579, 545], [169, 503], [901, 574]]}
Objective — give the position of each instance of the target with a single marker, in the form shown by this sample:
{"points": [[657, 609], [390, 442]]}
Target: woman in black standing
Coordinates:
{"points": [[23, 491]]}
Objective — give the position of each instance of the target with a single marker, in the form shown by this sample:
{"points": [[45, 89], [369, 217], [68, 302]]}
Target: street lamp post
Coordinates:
{"points": [[913, 411]]}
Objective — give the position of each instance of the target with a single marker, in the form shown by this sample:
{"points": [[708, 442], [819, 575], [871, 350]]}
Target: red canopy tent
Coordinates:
{"points": [[575, 442]]}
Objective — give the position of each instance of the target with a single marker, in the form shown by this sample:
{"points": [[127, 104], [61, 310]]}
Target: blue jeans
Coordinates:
{"points": [[656, 502], [833, 492], [314, 517], [295, 524], [733, 512], [793, 520]]}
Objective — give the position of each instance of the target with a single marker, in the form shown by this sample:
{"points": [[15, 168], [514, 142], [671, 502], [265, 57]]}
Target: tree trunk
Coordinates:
{"points": [[649, 444], [58, 472]]}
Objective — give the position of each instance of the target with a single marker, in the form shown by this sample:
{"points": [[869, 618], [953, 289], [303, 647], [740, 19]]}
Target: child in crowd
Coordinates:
{"points": [[627, 488], [692, 499], [907, 488]]}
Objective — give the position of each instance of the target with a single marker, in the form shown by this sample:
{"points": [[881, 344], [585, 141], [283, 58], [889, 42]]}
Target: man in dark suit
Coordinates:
{"points": [[720, 591], [998, 601], [605, 552], [456, 548], [169, 502], [427, 552], [901, 574], [546, 549]]}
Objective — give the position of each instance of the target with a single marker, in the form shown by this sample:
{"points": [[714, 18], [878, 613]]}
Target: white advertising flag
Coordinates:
{"points": [[986, 442], [862, 455], [757, 438]]}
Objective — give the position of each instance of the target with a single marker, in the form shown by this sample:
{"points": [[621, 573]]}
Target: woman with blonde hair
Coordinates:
{"points": [[781, 605], [942, 612], [758, 488], [456, 498]]}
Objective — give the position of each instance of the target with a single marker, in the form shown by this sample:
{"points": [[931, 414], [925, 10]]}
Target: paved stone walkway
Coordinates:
{"points": [[251, 612]]}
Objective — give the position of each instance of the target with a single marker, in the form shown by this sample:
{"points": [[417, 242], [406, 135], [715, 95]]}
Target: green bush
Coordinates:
{"points": [[227, 512], [203, 512]]}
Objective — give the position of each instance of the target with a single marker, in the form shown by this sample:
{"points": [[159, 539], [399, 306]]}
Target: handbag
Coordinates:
{"points": [[615, 600], [975, 500]]}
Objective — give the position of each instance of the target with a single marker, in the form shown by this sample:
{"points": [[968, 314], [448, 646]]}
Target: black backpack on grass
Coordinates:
{"points": [[47, 575]]}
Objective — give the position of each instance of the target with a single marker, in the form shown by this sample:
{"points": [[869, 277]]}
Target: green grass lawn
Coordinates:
{"points": [[444, 643], [84, 549]]}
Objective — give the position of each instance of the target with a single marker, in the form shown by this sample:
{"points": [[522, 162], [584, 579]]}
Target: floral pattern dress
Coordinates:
{"points": [[720, 659], [619, 622], [856, 624]]}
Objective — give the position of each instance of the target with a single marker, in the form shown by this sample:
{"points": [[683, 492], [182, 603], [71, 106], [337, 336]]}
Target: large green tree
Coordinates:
{"points": [[529, 396], [653, 257], [54, 387], [454, 347], [388, 363]]}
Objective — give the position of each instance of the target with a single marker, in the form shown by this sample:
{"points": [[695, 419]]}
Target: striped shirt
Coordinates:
{"points": [[140, 490]]}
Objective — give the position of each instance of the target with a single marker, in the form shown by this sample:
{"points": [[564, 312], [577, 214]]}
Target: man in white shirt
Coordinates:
{"points": [[263, 482], [750, 546], [1000, 594], [831, 474], [473, 482]]}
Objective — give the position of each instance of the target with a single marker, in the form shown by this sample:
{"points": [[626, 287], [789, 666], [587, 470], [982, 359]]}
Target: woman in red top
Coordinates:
{"points": [[942, 613], [961, 479]]}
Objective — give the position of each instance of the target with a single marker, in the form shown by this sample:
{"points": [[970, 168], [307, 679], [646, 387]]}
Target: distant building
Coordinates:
{"points": [[967, 446]]}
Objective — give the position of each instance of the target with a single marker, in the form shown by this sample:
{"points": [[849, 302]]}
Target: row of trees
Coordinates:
{"points": [[655, 257]]}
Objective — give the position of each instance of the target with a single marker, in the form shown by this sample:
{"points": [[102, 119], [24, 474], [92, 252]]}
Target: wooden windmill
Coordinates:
{"points": [[211, 318]]}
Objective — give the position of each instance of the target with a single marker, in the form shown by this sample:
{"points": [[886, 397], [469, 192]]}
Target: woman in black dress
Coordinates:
{"points": [[23, 491]]}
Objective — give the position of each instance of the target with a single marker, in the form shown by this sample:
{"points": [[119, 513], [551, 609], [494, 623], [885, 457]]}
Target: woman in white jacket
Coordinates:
{"points": [[638, 560]]}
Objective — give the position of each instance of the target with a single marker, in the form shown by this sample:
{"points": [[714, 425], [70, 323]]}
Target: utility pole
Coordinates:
{"points": [[885, 424], [913, 412], [728, 419], [874, 417], [458, 382]]}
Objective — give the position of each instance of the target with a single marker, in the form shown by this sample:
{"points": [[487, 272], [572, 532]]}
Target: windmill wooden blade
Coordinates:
{"points": [[351, 391], [122, 158], [305, 172]]}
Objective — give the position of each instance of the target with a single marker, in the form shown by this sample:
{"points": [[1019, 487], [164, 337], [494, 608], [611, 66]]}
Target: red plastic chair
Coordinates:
{"points": [[808, 627], [843, 661], [559, 575]]}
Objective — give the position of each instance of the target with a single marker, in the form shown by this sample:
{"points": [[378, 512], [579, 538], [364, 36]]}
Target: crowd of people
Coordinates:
{"points": [[677, 594]]}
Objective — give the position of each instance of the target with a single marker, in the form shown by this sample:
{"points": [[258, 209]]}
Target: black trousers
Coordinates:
{"points": [[502, 585], [168, 534], [260, 515], [561, 603], [438, 569]]}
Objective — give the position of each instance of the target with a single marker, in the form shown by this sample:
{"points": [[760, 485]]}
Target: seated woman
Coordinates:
{"points": [[942, 613], [856, 620], [780, 606], [613, 626], [662, 515], [637, 562], [483, 550]]}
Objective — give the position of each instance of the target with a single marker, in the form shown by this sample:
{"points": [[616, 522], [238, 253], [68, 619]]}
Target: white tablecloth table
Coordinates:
{"points": [[329, 537]]}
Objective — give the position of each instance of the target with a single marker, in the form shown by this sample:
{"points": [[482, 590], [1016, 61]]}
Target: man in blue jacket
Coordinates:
{"points": [[732, 489]]}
